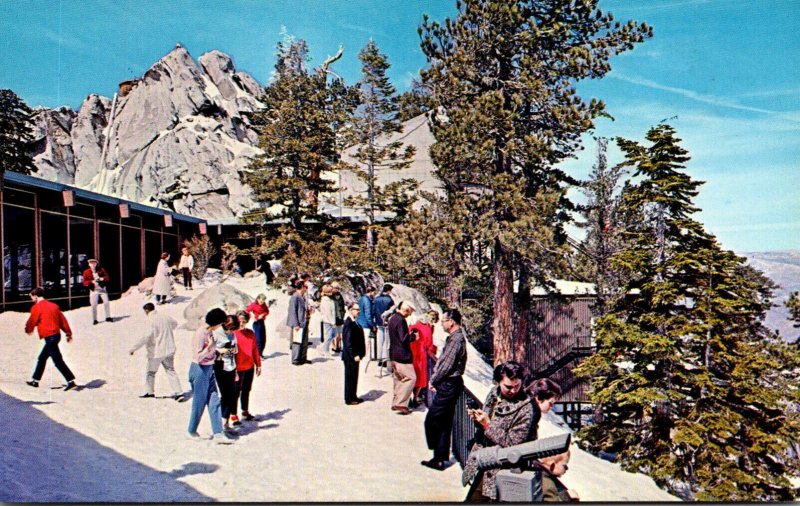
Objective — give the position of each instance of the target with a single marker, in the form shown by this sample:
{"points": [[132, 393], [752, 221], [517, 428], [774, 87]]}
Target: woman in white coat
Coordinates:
{"points": [[162, 282]]}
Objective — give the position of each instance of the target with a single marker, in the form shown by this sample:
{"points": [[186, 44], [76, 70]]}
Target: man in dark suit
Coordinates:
{"points": [[353, 350]]}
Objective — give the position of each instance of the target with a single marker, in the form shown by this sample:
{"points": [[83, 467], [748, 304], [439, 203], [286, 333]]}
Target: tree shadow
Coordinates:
{"points": [[56, 463], [191, 468]]}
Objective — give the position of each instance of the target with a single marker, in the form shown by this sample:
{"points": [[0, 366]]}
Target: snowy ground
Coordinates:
{"points": [[103, 443]]}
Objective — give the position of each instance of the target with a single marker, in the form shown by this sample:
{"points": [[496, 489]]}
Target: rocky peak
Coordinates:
{"points": [[176, 137]]}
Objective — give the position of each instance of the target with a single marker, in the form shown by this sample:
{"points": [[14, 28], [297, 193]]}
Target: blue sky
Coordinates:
{"points": [[725, 73]]}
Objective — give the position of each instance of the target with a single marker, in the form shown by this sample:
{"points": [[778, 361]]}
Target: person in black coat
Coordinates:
{"points": [[353, 350]]}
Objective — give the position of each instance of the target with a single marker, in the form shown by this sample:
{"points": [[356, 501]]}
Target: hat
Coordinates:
{"points": [[92, 260]]}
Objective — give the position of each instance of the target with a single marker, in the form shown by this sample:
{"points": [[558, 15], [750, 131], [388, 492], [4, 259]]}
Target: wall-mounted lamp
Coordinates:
{"points": [[167, 220], [203, 228], [124, 211], [69, 198]]}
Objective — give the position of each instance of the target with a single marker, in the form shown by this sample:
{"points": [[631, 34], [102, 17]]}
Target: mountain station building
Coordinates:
{"points": [[50, 230]]}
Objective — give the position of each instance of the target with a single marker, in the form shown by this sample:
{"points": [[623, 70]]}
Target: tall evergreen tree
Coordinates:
{"points": [[693, 386], [16, 134], [376, 118], [604, 223], [298, 136], [793, 304], [503, 75]]}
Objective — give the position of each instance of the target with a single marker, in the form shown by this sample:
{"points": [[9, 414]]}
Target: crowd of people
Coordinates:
{"points": [[226, 357]]}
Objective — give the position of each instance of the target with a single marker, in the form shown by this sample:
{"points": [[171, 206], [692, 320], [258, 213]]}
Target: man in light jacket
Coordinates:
{"points": [[160, 345]]}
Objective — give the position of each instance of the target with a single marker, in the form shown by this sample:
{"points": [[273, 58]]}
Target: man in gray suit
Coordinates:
{"points": [[297, 320]]}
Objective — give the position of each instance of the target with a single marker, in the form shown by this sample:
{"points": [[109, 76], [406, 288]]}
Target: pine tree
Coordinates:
{"points": [[604, 223], [793, 304], [298, 135], [16, 134], [376, 118], [693, 385], [417, 100], [502, 73]]}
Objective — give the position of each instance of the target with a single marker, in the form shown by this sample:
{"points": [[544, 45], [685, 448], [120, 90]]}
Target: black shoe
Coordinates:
{"points": [[352, 403], [179, 397], [146, 396], [95, 322], [33, 383], [359, 400], [69, 386], [109, 319], [438, 465]]}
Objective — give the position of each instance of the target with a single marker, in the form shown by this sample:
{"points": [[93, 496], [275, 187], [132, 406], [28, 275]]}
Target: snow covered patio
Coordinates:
{"points": [[103, 443]]}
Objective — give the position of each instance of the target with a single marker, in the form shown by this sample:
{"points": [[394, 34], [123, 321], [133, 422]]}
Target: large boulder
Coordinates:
{"points": [[413, 296], [222, 296]]}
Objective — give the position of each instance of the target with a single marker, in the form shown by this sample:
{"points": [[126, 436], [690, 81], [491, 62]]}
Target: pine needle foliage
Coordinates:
{"points": [[695, 389], [605, 224], [16, 135], [304, 112], [375, 119], [503, 75], [793, 305]]}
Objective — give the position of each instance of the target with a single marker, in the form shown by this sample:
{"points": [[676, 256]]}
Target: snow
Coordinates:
{"points": [[102, 443]]}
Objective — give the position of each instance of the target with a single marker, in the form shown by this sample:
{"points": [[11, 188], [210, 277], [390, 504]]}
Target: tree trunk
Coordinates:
{"points": [[523, 312], [503, 309]]}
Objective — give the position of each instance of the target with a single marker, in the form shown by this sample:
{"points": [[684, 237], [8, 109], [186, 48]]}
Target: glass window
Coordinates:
{"points": [[107, 212], [109, 255], [18, 197], [51, 200], [171, 247], [54, 254], [19, 227], [131, 256], [82, 210], [152, 221], [132, 220], [81, 242], [152, 251]]}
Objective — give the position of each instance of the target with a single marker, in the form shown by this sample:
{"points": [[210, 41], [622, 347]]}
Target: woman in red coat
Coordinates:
{"points": [[248, 363], [421, 350]]}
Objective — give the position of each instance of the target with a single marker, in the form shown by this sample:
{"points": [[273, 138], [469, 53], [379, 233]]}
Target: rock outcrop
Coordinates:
{"points": [[221, 295], [177, 138], [180, 137]]}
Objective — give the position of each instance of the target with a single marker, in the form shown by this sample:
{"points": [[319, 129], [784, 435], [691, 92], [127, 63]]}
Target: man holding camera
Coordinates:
{"points": [[96, 278]]}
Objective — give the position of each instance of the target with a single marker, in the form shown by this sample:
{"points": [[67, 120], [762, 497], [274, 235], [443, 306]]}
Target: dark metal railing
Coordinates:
{"points": [[463, 426]]}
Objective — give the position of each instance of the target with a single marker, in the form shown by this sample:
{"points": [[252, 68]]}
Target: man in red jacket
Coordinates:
{"points": [[50, 321], [96, 278]]}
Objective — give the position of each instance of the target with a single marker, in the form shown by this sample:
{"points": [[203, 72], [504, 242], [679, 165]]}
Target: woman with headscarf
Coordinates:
{"points": [[162, 281], [327, 313], [508, 417], [202, 379]]}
